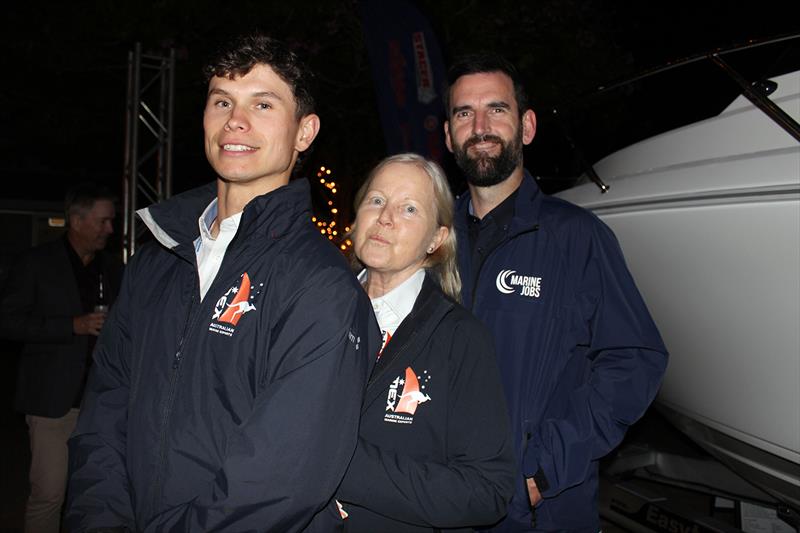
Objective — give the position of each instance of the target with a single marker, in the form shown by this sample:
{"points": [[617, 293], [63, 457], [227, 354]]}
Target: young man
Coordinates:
{"points": [[50, 305], [580, 357], [228, 381]]}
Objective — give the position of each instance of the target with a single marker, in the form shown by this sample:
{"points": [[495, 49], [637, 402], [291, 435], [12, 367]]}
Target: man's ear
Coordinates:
{"points": [[307, 132], [528, 126], [74, 220], [447, 140]]}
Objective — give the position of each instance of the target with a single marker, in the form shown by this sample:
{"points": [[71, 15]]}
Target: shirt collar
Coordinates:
{"points": [[501, 215], [206, 220], [394, 306]]}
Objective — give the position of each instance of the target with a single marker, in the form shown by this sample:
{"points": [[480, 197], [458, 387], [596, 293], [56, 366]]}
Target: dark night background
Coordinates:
{"points": [[63, 95], [65, 72]]}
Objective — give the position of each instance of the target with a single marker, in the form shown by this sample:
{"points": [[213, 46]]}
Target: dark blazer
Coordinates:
{"points": [[37, 306], [450, 463]]}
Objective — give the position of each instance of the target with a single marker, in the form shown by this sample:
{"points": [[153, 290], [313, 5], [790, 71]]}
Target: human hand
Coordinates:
{"points": [[533, 492], [88, 324]]}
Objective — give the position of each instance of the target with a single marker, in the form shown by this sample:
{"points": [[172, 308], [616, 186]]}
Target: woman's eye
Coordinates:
{"points": [[375, 200], [410, 209]]}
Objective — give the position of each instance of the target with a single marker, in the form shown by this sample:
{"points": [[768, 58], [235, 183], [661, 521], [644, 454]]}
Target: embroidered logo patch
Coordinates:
{"points": [[400, 408], [233, 305], [509, 282]]}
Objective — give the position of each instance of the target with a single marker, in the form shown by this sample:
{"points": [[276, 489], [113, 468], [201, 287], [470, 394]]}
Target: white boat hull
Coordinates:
{"points": [[708, 217]]}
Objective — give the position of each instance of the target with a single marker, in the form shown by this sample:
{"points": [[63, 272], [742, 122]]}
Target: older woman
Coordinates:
{"points": [[434, 448]]}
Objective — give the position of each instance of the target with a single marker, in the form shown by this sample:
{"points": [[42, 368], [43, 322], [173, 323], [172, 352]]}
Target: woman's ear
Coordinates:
{"points": [[438, 238]]}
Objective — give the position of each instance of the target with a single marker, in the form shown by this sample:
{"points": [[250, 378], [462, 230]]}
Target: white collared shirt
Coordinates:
{"points": [[210, 251], [394, 306]]}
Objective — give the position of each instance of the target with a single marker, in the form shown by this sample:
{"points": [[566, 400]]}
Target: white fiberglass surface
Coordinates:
{"points": [[723, 284]]}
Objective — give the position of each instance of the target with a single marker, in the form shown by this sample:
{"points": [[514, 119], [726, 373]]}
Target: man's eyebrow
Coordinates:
{"points": [[267, 94], [259, 94], [492, 105], [218, 91]]}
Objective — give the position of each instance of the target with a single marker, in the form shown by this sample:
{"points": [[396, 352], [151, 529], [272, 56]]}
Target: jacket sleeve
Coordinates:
{"points": [[98, 495], [285, 461], [22, 316], [475, 483], [627, 360]]}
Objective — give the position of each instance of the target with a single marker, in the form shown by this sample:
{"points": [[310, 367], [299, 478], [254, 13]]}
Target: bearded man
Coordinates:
{"points": [[579, 354]]}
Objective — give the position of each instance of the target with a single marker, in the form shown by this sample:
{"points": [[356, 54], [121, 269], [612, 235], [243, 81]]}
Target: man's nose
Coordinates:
{"points": [[480, 123], [237, 120]]}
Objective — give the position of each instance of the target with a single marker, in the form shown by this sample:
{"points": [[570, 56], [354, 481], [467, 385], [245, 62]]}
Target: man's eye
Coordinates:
{"points": [[222, 103], [462, 114], [263, 105]]}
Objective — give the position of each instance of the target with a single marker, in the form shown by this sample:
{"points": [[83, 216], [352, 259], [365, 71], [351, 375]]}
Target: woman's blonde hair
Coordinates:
{"points": [[442, 262]]}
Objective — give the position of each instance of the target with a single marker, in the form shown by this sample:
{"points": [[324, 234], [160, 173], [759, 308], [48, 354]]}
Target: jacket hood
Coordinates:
{"points": [[175, 221]]}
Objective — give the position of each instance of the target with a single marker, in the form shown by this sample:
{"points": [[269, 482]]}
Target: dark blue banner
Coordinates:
{"points": [[408, 73]]}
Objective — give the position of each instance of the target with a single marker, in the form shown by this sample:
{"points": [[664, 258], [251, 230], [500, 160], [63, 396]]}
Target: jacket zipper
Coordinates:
{"points": [[476, 278], [188, 327], [173, 380]]}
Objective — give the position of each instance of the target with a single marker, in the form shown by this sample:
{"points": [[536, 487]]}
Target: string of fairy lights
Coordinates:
{"points": [[330, 225]]}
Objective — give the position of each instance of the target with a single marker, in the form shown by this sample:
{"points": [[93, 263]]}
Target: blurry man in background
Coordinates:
{"points": [[55, 302]]}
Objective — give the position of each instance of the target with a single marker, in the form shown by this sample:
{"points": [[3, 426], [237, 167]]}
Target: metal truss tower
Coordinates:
{"points": [[148, 138]]}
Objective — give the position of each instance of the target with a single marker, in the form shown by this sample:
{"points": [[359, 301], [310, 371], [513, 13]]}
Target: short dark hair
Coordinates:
{"points": [[239, 56], [81, 197], [484, 62]]}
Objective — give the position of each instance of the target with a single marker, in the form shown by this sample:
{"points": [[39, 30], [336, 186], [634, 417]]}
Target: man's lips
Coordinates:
{"points": [[238, 148], [483, 143], [484, 146]]}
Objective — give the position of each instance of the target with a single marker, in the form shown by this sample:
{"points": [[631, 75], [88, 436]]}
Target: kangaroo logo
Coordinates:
{"points": [[241, 308], [400, 408], [233, 305], [415, 396]]}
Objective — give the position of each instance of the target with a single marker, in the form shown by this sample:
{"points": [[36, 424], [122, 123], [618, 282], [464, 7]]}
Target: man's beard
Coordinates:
{"points": [[484, 170]]}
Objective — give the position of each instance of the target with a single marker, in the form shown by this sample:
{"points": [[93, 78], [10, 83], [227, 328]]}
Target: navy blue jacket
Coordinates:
{"points": [[450, 463], [579, 354], [235, 413]]}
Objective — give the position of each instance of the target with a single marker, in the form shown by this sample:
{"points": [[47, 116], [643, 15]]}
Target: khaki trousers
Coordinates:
{"points": [[48, 474]]}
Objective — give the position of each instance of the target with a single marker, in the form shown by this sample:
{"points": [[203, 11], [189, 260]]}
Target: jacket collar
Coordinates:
{"points": [[173, 222], [527, 206], [410, 340]]}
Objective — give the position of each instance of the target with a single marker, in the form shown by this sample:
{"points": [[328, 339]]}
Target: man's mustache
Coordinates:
{"points": [[486, 137]]}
